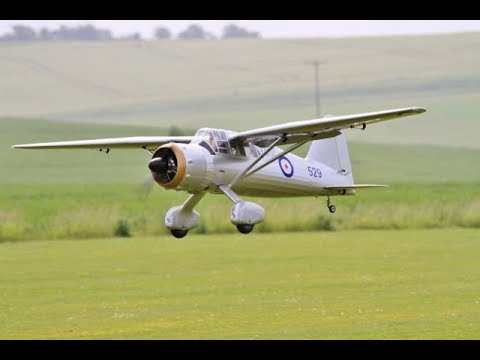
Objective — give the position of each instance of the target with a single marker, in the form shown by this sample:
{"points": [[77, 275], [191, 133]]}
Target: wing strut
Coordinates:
{"points": [[286, 151], [242, 174], [245, 172]]}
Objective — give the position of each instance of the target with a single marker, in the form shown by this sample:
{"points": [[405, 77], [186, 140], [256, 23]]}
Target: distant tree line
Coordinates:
{"points": [[91, 33], [82, 32]]}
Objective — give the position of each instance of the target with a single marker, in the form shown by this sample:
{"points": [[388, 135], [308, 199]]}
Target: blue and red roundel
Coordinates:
{"points": [[286, 166]]}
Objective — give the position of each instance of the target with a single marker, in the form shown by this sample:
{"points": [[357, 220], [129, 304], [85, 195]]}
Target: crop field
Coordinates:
{"points": [[62, 211], [84, 253], [84, 193]]}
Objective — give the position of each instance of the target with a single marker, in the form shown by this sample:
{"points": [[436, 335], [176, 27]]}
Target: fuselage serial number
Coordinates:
{"points": [[314, 172]]}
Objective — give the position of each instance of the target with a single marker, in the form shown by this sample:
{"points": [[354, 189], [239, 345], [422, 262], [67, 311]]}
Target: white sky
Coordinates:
{"points": [[268, 28]]}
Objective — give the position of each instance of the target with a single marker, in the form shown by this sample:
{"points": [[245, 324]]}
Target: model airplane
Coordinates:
{"points": [[247, 163]]}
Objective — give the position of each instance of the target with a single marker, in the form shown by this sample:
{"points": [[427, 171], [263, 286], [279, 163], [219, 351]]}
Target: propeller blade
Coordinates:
{"points": [[145, 187]]}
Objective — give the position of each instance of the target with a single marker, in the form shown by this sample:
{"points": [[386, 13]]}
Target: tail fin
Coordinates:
{"points": [[332, 152]]}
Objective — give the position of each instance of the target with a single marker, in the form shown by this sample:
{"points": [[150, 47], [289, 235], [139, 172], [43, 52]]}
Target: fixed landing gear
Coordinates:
{"points": [[245, 228], [178, 233], [180, 219], [244, 214], [330, 206]]}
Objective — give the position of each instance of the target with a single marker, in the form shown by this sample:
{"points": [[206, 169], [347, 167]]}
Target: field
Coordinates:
{"points": [[85, 194], [371, 162], [242, 84], [62, 211], [419, 284], [84, 254]]}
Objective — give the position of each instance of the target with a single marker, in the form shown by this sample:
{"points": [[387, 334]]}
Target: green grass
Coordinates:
{"points": [[65, 211], [420, 284]]}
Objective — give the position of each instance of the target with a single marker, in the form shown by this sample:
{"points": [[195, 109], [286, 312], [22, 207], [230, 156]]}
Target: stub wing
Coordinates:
{"points": [[356, 186], [350, 189], [321, 128], [135, 142]]}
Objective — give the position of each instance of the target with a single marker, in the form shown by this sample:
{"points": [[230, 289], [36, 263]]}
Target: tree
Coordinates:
{"points": [[132, 37], [23, 33], [46, 34], [193, 32], [89, 32], [162, 33], [82, 32], [234, 31]]}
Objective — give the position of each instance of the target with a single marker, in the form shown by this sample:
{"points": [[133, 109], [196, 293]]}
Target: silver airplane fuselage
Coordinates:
{"points": [[288, 176]]}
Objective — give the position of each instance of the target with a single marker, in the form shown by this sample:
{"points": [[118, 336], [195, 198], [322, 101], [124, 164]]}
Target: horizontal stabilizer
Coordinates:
{"points": [[353, 187]]}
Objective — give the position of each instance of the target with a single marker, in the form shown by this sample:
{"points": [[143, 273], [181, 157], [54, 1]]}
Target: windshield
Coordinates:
{"points": [[216, 141]]}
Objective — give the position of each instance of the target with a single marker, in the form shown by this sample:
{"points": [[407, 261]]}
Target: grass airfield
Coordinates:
{"points": [[412, 284]]}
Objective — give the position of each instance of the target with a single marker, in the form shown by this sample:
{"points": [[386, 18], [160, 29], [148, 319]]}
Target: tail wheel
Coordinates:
{"points": [[245, 228], [179, 233], [330, 206]]}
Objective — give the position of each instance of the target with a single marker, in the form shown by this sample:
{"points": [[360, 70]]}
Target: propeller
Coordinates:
{"points": [[163, 170], [145, 187], [158, 165]]}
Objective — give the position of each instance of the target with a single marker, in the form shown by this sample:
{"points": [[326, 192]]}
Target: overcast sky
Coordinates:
{"points": [[269, 28]]}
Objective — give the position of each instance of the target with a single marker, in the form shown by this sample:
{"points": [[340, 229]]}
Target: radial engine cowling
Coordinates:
{"points": [[181, 167]]}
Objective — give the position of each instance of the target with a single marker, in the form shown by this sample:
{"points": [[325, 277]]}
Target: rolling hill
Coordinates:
{"points": [[241, 84]]}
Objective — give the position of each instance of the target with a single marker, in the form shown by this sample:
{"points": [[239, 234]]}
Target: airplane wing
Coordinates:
{"points": [[297, 131], [138, 142]]}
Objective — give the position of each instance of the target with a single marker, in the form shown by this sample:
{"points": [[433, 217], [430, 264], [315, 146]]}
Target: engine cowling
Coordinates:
{"points": [[182, 167]]}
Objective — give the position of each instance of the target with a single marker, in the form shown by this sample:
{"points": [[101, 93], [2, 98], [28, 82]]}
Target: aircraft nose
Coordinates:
{"points": [[157, 165]]}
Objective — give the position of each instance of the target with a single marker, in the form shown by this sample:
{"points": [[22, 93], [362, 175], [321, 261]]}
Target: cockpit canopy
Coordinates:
{"points": [[216, 141]]}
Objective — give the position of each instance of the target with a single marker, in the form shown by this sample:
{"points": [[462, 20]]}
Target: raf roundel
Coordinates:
{"points": [[286, 166]]}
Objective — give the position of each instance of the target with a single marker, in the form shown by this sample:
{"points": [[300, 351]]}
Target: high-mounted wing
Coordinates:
{"points": [[137, 142], [297, 131]]}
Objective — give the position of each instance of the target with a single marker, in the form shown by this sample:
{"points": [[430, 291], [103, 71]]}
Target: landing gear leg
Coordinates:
{"points": [[180, 219], [330, 206], [244, 214]]}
